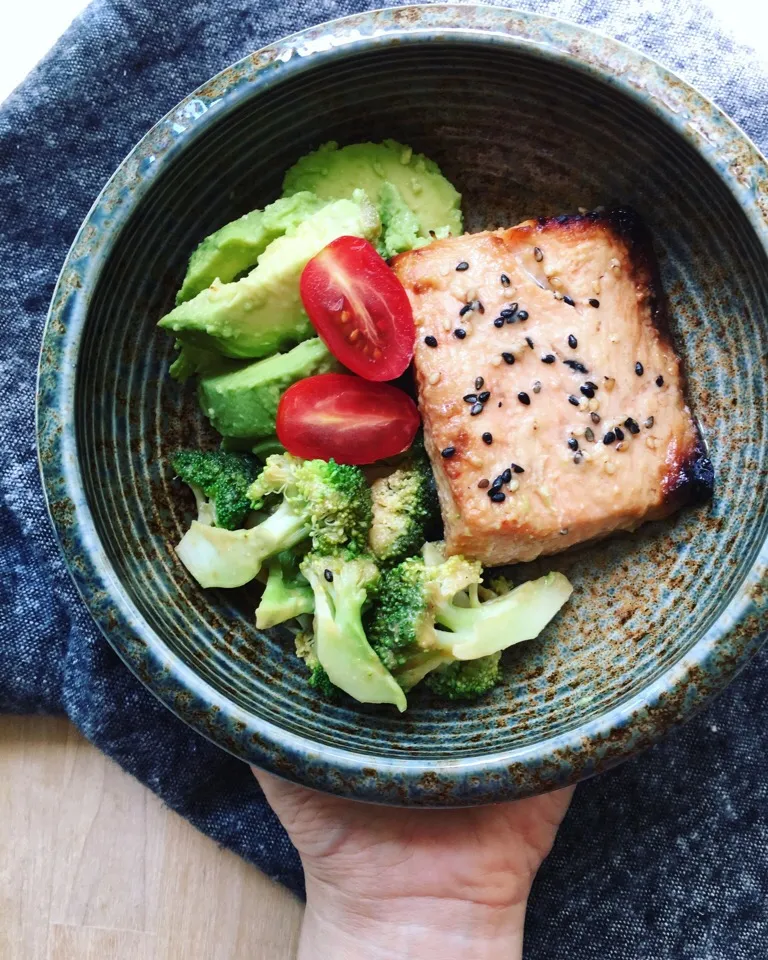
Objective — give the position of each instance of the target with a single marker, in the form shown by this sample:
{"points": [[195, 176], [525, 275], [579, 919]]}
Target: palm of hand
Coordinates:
{"points": [[485, 855]]}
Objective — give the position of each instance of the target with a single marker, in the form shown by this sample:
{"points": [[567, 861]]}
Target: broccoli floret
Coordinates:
{"points": [[341, 585], [405, 508], [318, 678], [286, 594], [428, 616], [326, 502], [466, 679], [220, 481]]}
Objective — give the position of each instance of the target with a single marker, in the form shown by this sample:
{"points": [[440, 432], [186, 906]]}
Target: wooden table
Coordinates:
{"points": [[94, 867]]}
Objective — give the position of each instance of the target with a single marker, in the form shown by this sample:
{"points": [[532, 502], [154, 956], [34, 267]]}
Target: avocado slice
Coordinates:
{"points": [[243, 403], [191, 360], [333, 171], [399, 224], [262, 313], [237, 246]]}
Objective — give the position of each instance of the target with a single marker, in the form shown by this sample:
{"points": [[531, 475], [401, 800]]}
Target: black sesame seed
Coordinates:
{"points": [[619, 433], [609, 438], [587, 391], [484, 397], [589, 434], [524, 398], [578, 458], [328, 574], [504, 280], [508, 358], [649, 423], [484, 483], [573, 443], [508, 312], [470, 398], [659, 381], [459, 333], [631, 425], [476, 305], [576, 365], [595, 417], [590, 384], [549, 358], [593, 303], [498, 497], [479, 383], [537, 254], [497, 484], [462, 266], [430, 341], [516, 468], [639, 369], [465, 309], [522, 315], [573, 400], [488, 438], [537, 386], [498, 322], [475, 409], [529, 342], [572, 341], [569, 301], [447, 452], [506, 476]]}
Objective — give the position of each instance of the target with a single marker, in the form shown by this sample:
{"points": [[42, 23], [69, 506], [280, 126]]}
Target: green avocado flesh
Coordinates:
{"points": [[262, 313], [237, 246], [423, 191], [243, 403]]}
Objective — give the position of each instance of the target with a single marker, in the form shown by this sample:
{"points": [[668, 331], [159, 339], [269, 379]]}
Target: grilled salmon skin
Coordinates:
{"points": [[553, 401]]}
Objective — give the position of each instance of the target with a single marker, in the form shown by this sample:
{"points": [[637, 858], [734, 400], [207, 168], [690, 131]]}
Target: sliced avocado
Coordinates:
{"points": [[262, 313], [243, 403], [237, 246], [334, 171], [265, 448], [191, 360]]}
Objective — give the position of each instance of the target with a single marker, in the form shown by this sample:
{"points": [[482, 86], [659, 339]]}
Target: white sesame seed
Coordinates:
{"points": [[513, 485], [558, 295], [434, 378], [446, 324], [615, 264], [594, 405], [474, 460], [596, 286], [496, 362], [610, 467], [582, 210], [555, 282], [609, 384], [650, 442]]}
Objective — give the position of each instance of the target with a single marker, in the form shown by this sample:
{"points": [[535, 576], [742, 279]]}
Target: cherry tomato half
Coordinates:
{"points": [[359, 308], [338, 416]]}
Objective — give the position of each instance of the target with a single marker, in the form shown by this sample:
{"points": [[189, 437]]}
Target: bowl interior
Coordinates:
{"points": [[520, 136]]}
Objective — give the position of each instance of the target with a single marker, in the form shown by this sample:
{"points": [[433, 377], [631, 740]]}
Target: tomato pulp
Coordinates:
{"points": [[359, 308], [351, 420]]}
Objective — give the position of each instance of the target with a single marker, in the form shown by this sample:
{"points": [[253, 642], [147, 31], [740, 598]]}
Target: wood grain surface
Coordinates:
{"points": [[94, 867]]}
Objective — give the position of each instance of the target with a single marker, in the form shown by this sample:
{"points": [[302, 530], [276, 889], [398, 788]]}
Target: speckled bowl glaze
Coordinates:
{"points": [[527, 116]]}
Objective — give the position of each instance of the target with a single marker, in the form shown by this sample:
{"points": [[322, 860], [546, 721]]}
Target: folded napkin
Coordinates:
{"points": [[666, 857]]}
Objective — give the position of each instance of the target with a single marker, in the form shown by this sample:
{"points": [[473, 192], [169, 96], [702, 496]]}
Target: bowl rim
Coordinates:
{"points": [[595, 745]]}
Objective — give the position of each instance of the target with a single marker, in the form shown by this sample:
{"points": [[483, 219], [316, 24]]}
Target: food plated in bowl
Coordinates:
{"points": [[659, 619]]}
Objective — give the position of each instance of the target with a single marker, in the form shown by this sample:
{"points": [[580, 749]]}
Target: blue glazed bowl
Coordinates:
{"points": [[527, 116]]}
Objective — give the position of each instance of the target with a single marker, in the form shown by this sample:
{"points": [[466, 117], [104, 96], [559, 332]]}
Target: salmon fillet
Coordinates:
{"points": [[552, 397]]}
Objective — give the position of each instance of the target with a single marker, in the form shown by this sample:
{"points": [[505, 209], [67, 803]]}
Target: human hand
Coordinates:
{"points": [[385, 882]]}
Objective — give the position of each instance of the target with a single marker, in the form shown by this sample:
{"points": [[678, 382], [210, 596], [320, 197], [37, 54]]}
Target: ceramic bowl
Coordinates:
{"points": [[527, 116]]}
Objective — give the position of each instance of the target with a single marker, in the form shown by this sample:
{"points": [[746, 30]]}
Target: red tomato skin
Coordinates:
{"points": [[360, 309], [345, 418]]}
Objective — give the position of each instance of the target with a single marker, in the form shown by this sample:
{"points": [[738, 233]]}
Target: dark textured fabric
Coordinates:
{"points": [[666, 857]]}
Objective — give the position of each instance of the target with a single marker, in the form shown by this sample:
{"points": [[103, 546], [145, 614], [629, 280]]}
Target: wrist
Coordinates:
{"points": [[339, 926]]}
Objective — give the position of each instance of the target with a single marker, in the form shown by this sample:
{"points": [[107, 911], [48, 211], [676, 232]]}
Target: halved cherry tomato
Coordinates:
{"points": [[359, 308], [338, 416]]}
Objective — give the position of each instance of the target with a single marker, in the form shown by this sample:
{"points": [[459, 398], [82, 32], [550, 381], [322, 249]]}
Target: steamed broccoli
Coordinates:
{"points": [[341, 584], [429, 615], [286, 594], [466, 679], [326, 502], [318, 678], [220, 482], [405, 506]]}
